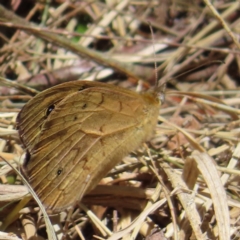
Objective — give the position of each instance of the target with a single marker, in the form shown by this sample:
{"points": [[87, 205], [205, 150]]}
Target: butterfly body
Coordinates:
{"points": [[76, 132]]}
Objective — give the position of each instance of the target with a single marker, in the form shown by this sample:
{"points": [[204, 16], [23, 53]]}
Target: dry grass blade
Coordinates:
{"points": [[8, 236], [210, 174], [187, 201], [167, 189], [215, 12], [105, 231], [211, 101], [20, 87], [232, 163], [7, 16], [14, 215], [50, 230], [138, 220], [191, 140]]}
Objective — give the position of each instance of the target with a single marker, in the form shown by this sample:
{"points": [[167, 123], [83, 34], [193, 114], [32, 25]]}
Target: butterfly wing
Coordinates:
{"points": [[83, 138], [35, 112], [89, 129]]}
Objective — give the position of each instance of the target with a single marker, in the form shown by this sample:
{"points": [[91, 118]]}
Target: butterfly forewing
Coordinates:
{"points": [[35, 112], [86, 134]]}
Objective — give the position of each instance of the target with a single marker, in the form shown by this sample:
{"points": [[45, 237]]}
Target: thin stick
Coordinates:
{"points": [[222, 21]]}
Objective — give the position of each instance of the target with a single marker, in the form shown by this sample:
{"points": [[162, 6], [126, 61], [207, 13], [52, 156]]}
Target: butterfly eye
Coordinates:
{"points": [[50, 109]]}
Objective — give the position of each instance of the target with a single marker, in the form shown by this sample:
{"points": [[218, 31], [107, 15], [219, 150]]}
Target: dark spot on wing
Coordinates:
{"points": [[50, 109], [120, 106], [82, 88], [27, 159], [84, 106], [59, 171], [85, 167]]}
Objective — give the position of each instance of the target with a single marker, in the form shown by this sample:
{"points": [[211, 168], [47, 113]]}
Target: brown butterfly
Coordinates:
{"points": [[76, 132]]}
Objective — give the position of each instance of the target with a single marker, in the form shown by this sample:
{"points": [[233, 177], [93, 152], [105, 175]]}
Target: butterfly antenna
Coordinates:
{"points": [[198, 67], [154, 55], [160, 90]]}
